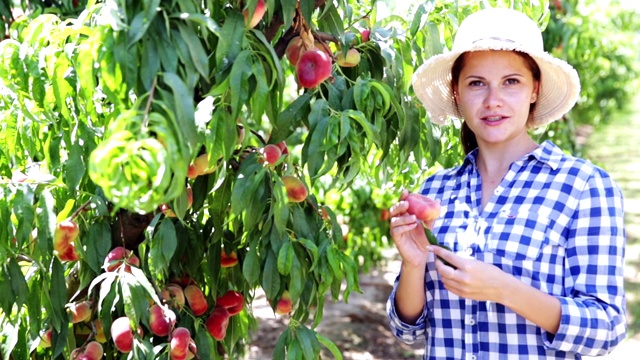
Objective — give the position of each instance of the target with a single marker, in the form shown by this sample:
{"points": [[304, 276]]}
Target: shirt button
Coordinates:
{"points": [[471, 356], [470, 321], [469, 251]]}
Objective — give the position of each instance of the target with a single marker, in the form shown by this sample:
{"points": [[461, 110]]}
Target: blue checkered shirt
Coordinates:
{"points": [[556, 223]]}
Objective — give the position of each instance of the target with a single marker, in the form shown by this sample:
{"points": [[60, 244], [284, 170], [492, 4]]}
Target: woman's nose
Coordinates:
{"points": [[493, 97]]}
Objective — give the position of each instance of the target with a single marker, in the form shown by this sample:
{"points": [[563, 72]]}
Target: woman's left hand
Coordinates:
{"points": [[471, 279]]}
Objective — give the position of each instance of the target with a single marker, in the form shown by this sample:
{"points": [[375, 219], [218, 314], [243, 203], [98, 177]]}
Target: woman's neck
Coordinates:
{"points": [[496, 159]]}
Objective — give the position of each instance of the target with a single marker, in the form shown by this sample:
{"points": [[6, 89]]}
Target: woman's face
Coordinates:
{"points": [[494, 93]]}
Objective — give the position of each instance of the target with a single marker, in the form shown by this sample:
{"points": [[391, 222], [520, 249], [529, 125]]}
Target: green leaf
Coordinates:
{"points": [[312, 249], [250, 175], [330, 345], [271, 276], [285, 258], [230, 41], [198, 54], [97, 245], [251, 267], [133, 296], [308, 342], [239, 80], [58, 295], [185, 108], [290, 118], [279, 351], [18, 283]]}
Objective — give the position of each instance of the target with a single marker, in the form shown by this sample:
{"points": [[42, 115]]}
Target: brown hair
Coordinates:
{"points": [[467, 137]]}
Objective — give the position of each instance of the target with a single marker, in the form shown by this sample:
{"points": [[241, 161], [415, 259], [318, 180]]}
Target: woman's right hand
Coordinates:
{"points": [[408, 234]]}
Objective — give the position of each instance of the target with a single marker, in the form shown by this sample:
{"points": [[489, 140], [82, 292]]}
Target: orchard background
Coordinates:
{"points": [[162, 161]]}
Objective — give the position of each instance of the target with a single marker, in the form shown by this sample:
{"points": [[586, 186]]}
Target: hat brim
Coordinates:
{"points": [[559, 85]]}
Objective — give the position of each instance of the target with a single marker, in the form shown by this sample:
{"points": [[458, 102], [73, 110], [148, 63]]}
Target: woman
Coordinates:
{"points": [[536, 236]]}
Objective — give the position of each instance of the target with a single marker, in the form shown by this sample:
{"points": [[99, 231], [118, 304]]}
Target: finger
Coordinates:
{"points": [[404, 194], [403, 219], [400, 207], [454, 260], [397, 230]]}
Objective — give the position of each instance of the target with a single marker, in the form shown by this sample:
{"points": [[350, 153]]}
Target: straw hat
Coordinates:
{"points": [[498, 29]]}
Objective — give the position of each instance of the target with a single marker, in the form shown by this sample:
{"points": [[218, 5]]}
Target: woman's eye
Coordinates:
{"points": [[475, 83], [512, 81]]}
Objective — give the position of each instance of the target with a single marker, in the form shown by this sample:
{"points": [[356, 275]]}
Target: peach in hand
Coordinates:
{"points": [[424, 208]]}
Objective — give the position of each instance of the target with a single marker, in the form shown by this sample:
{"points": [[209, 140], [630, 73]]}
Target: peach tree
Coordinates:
{"points": [[162, 161]]}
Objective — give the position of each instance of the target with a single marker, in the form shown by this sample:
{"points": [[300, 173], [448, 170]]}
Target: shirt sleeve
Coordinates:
{"points": [[593, 311], [408, 333]]}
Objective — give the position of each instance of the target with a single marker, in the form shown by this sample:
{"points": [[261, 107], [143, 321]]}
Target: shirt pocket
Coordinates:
{"points": [[518, 236]]}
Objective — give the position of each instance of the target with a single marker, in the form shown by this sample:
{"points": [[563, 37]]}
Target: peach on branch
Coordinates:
{"points": [[64, 240], [313, 68], [232, 300], [173, 295], [122, 334], [200, 166], [218, 322], [230, 260], [351, 59], [271, 153], [283, 147], [179, 345], [45, 338], [424, 208], [296, 190], [193, 350], [166, 208], [161, 320], [366, 33], [91, 351], [119, 256], [284, 305], [80, 311], [196, 299], [258, 13], [100, 337]]}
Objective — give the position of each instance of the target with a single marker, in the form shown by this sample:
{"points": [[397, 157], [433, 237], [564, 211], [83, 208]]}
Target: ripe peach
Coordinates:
{"points": [[161, 320], [351, 59], [91, 351], [64, 239], [122, 334], [166, 208], [294, 50], [424, 208], [118, 256], [100, 337], [384, 214], [173, 295], [228, 260], [366, 33], [180, 339], [232, 300], [283, 147], [296, 190], [45, 339], [80, 311], [218, 322], [271, 154], [258, 13], [200, 166], [284, 305], [196, 299], [193, 350], [313, 68]]}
